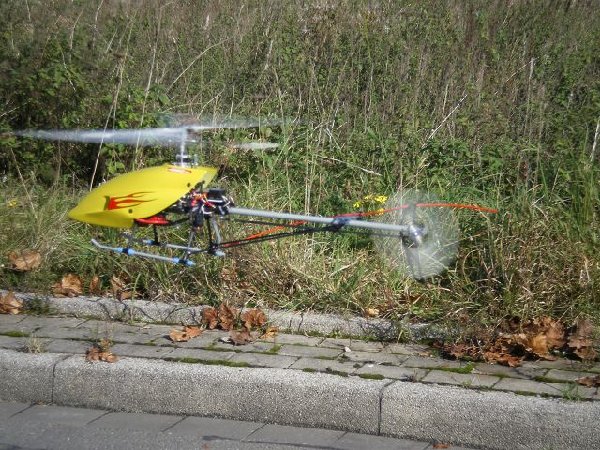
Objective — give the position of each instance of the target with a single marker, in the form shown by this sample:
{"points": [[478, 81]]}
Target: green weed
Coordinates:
{"points": [[15, 333]]}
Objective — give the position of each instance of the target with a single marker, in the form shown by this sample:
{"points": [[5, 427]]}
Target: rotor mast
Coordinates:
{"points": [[183, 158]]}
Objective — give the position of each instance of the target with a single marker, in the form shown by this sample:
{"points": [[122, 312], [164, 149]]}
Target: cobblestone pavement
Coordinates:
{"points": [[343, 357], [26, 426]]}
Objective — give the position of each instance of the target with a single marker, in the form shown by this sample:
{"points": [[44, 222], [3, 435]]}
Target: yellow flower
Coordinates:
{"points": [[12, 203], [370, 200]]}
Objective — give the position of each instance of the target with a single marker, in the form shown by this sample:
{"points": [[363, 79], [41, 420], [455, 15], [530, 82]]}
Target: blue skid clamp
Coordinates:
{"points": [[131, 252]]}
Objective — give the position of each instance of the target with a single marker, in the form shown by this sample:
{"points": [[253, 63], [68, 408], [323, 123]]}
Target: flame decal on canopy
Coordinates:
{"points": [[126, 201]]}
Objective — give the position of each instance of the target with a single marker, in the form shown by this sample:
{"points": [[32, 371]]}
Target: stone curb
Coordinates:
{"points": [[105, 308], [495, 420]]}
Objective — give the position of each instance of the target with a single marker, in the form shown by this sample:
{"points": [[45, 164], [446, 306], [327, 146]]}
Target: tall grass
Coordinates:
{"points": [[485, 102]]}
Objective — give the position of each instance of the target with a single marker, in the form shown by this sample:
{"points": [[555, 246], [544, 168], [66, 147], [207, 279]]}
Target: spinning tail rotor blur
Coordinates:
{"points": [[431, 245]]}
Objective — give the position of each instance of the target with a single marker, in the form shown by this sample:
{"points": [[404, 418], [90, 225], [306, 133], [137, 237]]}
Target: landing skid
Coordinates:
{"points": [[132, 252]]}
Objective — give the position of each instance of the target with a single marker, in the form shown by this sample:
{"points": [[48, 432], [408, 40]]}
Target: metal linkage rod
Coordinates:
{"points": [[343, 221]]}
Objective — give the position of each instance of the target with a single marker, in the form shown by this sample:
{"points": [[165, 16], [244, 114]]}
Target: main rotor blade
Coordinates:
{"points": [[218, 122], [142, 136], [253, 145]]}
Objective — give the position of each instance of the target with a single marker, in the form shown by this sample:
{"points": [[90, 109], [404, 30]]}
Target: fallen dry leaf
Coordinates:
{"points": [[227, 316], [25, 260], [440, 445], [9, 304], [95, 286], [186, 334], [254, 318], [210, 317], [590, 381], [69, 286], [371, 312], [535, 344], [462, 351], [97, 354], [580, 341], [539, 336], [501, 352], [555, 334], [241, 337], [119, 288], [270, 332]]}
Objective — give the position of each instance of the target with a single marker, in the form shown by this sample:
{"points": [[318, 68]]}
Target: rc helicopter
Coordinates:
{"points": [[418, 235]]}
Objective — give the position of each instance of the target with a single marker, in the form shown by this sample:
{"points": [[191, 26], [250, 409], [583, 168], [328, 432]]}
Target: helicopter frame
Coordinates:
{"points": [[206, 209]]}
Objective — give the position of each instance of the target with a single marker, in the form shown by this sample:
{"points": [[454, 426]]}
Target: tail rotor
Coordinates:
{"points": [[431, 244]]}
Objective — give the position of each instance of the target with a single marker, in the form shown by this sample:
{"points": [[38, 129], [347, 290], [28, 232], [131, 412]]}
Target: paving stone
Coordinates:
{"points": [[369, 357], [36, 322], [164, 341], [595, 369], [406, 349], [567, 375], [529, 371], [115, 331], [65, 415], [574, 391], [125, 338], [208, 338], [295, 339], [69, 330], [311, 352], [215, 428], [393, 372], [461, 379], [496, 369], [9, 320], [529, 386], [132, 334], [561, 363], [7, 329], [65, 346], [323, 365], [353, 344], [203, 355], [12, 343], [156, 330], [264, 360], [136, 421], [355, 441], [141, 351], [431, 363], [280, 434], [8, 409], [258, 346]]}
